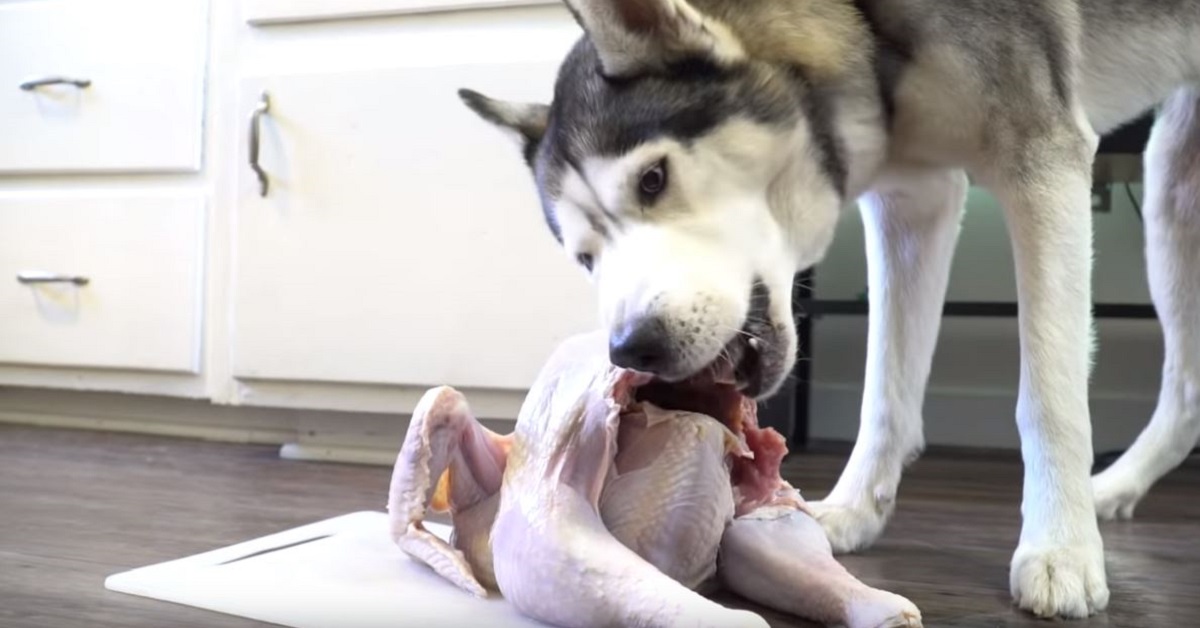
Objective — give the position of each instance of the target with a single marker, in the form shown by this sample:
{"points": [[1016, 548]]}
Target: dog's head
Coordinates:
{"points": [[688, 180]]}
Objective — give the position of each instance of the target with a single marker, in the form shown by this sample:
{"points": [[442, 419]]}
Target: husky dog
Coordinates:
{"points": [[697, 154]]}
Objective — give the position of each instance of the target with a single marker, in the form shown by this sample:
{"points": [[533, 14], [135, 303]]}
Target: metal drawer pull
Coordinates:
{"points": [[264, 106], [37, 278], [29, 86]]}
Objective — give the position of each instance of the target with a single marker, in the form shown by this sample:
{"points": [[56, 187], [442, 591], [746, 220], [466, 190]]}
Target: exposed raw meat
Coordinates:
{"points": [[615, 498], [755, 474]]}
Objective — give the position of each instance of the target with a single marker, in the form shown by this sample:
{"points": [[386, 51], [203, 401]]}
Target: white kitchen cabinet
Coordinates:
{"points": [[400, 240], [101, 281], [113, 86], [278, 11]]}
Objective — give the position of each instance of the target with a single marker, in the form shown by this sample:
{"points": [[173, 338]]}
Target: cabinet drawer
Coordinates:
{"points": [[140, 306], [141, 109]]}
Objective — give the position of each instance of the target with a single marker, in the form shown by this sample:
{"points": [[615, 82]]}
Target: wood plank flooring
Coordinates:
{"points": [[76, 506]]}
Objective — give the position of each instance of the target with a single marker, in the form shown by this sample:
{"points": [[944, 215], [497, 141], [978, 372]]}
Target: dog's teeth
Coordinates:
{"points": [[754, 343]]}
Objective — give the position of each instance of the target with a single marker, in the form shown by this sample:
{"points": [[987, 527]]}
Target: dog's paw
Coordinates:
{"points": [[849, 528], [1116, 493], [1064, 581]]}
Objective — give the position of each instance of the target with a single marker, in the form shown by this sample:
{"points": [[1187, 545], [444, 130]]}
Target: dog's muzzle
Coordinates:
{"points": [[752, 359]]}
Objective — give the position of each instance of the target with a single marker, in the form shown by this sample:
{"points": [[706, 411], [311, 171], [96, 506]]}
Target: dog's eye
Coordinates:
{"points": [[653, 180], [586, 260]]}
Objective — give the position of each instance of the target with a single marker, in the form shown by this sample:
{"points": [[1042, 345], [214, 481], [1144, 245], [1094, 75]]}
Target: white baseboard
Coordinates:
{"points": [[165, 416], [975, 375], [963, 418], [975, 418], [200, 432], [351, 437], [337, 453]]}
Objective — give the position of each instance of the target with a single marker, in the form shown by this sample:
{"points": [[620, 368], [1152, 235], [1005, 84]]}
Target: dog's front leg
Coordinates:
{"points": [[1044, 186], [912, 222]]}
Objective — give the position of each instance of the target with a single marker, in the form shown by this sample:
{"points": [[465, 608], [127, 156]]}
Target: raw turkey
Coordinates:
{"points": [[616, 499]]}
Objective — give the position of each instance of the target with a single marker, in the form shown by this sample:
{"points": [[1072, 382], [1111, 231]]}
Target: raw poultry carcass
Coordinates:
{"points": [[616, 498]]}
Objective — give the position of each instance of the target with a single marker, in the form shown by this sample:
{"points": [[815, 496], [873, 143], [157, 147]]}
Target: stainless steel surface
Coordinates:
{"points": [[31, 278], [81, 83], [264, 106]]}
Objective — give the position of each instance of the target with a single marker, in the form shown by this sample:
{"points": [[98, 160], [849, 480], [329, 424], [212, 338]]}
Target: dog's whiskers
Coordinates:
{"points": [[741, 332]]}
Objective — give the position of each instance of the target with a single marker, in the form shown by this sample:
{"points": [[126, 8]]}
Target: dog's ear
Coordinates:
{"points": [[637, 36], [527, 121]]}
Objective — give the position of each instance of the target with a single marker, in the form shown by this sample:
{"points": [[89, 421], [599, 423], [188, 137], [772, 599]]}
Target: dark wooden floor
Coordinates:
{"points": [[77, 506]]}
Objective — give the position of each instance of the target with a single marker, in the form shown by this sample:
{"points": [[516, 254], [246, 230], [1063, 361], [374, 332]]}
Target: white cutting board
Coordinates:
{"points": [[354, 577]]}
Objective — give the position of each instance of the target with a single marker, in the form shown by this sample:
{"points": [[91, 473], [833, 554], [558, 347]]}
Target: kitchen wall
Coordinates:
{"points": [[972, 389]]}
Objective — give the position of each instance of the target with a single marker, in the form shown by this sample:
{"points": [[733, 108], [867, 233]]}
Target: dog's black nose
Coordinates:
{"points": [[641, 344]]}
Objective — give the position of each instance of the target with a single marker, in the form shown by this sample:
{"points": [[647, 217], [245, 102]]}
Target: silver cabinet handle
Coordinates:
{"points": [[30, 278], [29, 86], [264, 106]]}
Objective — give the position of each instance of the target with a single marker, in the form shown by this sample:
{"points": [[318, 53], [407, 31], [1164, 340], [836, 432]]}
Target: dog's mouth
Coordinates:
{"points": [[726, 389], [753, 360], [742, 364], [702, 393]]}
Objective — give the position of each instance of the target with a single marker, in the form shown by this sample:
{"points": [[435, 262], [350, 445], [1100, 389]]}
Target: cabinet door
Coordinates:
{"points": [[401, 239]]}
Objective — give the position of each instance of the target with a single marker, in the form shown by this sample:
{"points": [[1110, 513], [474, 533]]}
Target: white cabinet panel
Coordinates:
{"points": [[402, 240], [278, 11], [143, 62], [282, 11], [141, 259]]}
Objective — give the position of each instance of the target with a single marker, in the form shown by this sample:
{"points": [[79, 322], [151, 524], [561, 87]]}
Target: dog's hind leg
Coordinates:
{"points": [[1172, 215], [912, 221]]}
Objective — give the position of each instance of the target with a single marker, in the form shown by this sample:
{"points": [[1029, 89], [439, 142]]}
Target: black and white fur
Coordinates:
{"points": [[696, 153]]}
